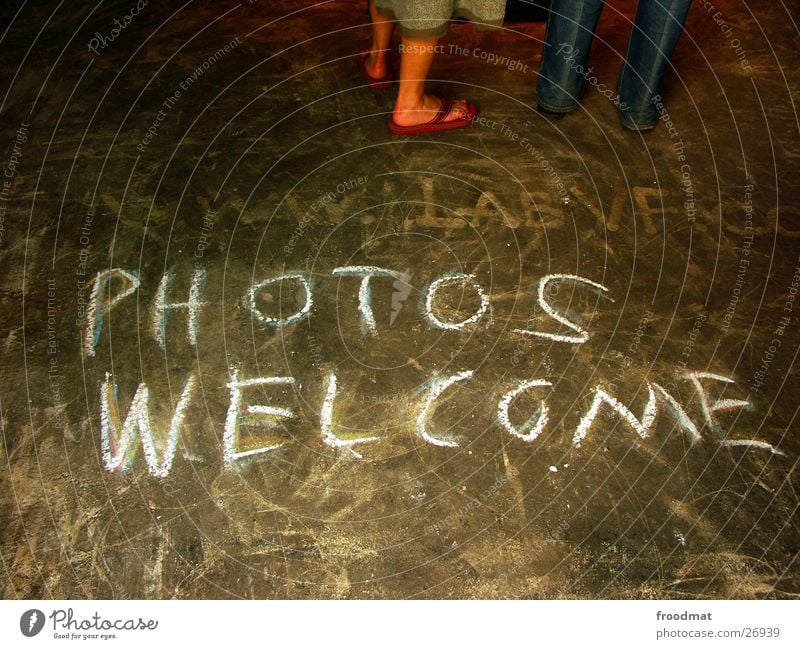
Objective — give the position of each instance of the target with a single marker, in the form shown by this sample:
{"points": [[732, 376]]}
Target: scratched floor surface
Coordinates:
{"points": [[571, 371]]}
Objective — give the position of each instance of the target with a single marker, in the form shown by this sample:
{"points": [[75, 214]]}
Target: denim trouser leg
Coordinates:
{"points": [[570, 29], [656, 30]]}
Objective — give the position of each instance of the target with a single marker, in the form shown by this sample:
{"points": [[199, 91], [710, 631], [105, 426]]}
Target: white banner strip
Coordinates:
{"points": [[399, 624]]}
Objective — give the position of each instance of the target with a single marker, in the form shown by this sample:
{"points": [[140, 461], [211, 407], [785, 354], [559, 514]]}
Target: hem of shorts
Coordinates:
{"points": [[441, 30]]}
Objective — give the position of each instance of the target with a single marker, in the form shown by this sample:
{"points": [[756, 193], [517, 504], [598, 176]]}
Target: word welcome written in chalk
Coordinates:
{"points": [[119, 442]]}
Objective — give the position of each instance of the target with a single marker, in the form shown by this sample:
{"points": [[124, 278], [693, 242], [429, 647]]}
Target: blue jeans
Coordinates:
{"points": [[570, 30]]}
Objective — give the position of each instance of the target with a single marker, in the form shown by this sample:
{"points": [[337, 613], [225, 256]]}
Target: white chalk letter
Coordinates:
{"points": [[437, 387], [281, 322], [684, 421], [162, 308], [724, 404], [230, 438], [118, 447], [102, 301], [326, 422], [582, 335], [453, 278], [600, 397], [364, 294], [534, 427]]}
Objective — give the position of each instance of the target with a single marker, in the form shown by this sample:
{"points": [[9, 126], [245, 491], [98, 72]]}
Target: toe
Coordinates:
{"points": [[459, 110]]}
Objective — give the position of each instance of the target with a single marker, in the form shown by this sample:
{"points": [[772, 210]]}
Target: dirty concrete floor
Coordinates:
{"points": [[234, 143]]}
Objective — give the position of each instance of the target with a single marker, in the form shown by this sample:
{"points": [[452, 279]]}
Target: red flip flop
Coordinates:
{"points": [[376, 83], [437, 123]]}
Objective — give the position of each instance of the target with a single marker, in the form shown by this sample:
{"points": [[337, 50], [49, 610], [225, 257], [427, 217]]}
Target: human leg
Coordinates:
{"points": [[562, 74], [413, 105], [382, 27], [657, 28]]}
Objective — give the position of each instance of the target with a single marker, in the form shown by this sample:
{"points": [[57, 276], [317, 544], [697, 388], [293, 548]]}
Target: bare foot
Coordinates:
{"points": [[424, 111], [376, 64]]}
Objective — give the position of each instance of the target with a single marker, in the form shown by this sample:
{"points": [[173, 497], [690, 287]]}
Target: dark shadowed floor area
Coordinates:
{"points": [[255, 346]]}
